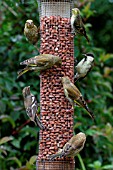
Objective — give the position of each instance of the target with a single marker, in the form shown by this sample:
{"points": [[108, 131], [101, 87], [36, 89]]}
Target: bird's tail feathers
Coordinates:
{"points": [[89, 112], [85, 106], [39, 123], [22, 71]]}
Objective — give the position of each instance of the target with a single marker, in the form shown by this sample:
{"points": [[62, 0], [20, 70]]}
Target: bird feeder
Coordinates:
{"points": [[56, 111]]}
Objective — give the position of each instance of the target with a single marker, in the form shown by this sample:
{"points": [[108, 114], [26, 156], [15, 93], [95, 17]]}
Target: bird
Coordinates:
{"points": [[31, 31], [71, 148], [74, 96], [39, 63], [84, 66], [31, 107], [77, 23]]}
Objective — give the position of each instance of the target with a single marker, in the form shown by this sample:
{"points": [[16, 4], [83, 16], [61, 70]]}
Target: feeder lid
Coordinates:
{"points": [[55, 8]]}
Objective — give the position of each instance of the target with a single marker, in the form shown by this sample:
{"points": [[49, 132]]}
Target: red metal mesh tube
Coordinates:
{"points": [[56, 111]]}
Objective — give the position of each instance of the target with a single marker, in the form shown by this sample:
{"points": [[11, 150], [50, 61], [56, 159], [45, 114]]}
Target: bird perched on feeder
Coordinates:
{"points": [[77, 24], [31, 107], [84, 66], [72, 147], [74, 96], [39, 63], [31, 32]]}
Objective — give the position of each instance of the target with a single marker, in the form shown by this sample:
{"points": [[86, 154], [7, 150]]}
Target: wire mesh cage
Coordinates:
{"points": [[56, 111], [55, 8], [56, 165]]}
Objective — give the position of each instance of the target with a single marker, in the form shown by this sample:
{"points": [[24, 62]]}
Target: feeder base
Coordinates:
{"points": [[55, 165]]}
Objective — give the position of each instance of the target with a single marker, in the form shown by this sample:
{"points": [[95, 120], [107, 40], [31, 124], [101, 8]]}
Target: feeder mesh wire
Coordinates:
{"points": [[55, 8]]}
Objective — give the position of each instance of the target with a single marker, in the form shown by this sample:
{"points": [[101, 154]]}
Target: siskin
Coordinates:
{"points": [[72, 147], [31, 107], [40, 63], [31, 32], [84, 66], [77, 24], [74, 96]]}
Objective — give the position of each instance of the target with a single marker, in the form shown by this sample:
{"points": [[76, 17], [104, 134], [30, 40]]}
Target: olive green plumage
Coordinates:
{"points": [[31, 32], [74, 96], [72, 147], [77, 23], [40, 63]]}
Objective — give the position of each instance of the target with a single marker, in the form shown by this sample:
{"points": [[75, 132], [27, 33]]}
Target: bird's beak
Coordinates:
{"points": [[28, 89]]}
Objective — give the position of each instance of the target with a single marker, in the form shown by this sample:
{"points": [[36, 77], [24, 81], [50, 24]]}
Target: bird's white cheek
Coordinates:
{"points": [[72, 21]]}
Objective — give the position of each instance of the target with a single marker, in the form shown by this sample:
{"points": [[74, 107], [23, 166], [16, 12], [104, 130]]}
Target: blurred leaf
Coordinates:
{"points": [[29, 145], [97, 164], [106, 57], [77, 124], [2, 150], [105, 84], [23, 168], [91, 132], [87, 10], [5, 139], [107, 71], [88, 25], [108, 128], [107, 94], [33, 159], [6, 118], [2, 106], [16, 143], [15, 160], [107, 167], [30, 130], [28, 165]]}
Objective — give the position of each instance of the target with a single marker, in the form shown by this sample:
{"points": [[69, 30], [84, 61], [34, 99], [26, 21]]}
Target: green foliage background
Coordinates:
{"points": [[19, 137]]}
